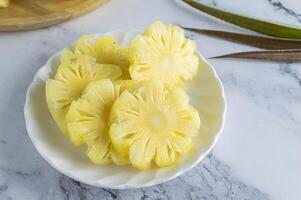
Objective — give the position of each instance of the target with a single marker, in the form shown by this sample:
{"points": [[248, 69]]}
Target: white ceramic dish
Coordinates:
{"points": [[206, 93]]}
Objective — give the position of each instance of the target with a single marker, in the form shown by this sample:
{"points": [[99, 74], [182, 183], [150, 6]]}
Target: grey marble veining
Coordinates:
{"points": [[279, 6], [256, 157], [211, 179]]}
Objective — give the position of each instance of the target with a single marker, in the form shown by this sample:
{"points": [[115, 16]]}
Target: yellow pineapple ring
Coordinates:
{"points": [[153, 123], [163, 52], [105, 49], [71, 79], [88, 121], [88, 116]]}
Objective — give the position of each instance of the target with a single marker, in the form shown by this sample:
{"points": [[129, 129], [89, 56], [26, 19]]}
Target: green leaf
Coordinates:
{"points": [[292, 55], [251, 40], [257, 25]]}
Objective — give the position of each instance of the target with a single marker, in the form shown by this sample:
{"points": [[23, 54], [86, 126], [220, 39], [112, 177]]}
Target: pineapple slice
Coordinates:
{"points": [[106, 50], [4, 3], [163, 52], [85, 45], [88, 116], [71, 79], [153, 123], [88, 121]]}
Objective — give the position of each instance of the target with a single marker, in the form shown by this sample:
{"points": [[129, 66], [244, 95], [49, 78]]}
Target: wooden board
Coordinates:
{"points": [[33, 14]]}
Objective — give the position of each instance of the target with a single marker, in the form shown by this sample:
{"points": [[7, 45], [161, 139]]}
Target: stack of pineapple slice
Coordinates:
{"points": [[127, 104]]}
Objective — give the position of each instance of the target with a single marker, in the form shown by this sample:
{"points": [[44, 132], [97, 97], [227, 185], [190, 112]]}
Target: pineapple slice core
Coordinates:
{"points": [[156, 121]]}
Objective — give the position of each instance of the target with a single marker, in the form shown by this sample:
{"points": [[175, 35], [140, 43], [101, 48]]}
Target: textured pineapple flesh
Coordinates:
{"points": [[106, 50], [162, 52], [71, 78], [88, 121], [4, 3], [85, 45], [123, 85], [153, 124]]}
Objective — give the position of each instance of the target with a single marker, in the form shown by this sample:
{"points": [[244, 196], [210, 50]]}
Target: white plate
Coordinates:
{"points": [[206, 93]]}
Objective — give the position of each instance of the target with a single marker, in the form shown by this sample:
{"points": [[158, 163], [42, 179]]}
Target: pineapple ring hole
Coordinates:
{"points": [[156, 120]]}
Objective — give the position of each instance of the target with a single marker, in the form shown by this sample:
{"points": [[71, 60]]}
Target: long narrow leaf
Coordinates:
{"points": [[257, 25], [251, 40], [293, 55]]}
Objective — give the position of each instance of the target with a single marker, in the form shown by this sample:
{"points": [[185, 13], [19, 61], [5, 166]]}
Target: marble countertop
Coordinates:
{"points": [[258, 153]]}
